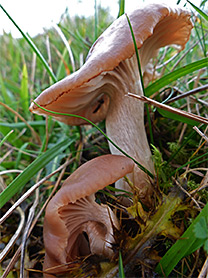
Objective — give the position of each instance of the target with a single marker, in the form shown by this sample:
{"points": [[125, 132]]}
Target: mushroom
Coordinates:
{"points": [[73, 213], [98, 89]]}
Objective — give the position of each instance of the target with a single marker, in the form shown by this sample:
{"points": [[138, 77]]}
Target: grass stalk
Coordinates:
{"points": [[141, 79], [103, 133], [32, 45]]}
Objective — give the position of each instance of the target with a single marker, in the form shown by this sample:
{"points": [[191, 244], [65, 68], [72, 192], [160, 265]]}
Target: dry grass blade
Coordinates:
{"points": [[196, 170], [67, 46], [30, 191], [201, 133], [10, 171], [17, 253], [187, 193], [204, 271], [171, 109], [49, 52], [34, 133], [12, 148], [27, 228], [197, 255], [189, 93], [61, 57], [15, 236], [187, 51], [204, 184], [11, 263], [168, 61], [6, 155]]}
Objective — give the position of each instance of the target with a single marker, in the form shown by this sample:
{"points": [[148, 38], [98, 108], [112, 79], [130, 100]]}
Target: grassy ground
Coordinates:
{"points": [[33, 148]]}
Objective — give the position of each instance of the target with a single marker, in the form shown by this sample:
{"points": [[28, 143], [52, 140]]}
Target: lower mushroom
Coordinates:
{"points": [[75, 225]]}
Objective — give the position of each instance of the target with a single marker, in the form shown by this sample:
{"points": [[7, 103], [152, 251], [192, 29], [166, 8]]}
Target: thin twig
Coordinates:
{"points": [[170, 109]]}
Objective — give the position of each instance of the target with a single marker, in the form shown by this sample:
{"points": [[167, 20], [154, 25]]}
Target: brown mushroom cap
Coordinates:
{"points": [[73, 210], [83, 92]]}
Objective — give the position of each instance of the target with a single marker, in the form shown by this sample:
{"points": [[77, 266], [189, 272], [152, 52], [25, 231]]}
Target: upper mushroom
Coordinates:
{"points": [[98, 89], [73, 213]]}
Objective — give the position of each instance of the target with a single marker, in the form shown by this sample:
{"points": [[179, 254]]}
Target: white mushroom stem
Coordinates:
{"points": [[125, 121]]}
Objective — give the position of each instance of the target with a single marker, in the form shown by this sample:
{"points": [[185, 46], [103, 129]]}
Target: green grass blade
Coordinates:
{"points": [[173, 76], [100, 130], [141, 79], [202, 40], [13, 138], [188, 137], [83, 42], [180, 118], [197, 160], [22, 125], [24, 92], [172, 112], [120, 266], [203, 2], [22, 149], [5, 138], [61, 70], [121, 7], [203, 14], [33, 46], [19, 182], [186, 245], [137, 54]]}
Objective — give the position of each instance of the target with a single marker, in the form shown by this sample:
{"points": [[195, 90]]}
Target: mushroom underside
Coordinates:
{"points": [[90, 228], [164, 26], [74, 224]]}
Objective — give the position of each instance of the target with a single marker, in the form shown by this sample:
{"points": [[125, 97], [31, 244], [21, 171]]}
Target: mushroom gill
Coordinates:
{"points": [[85, 216], [74, 224]]}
